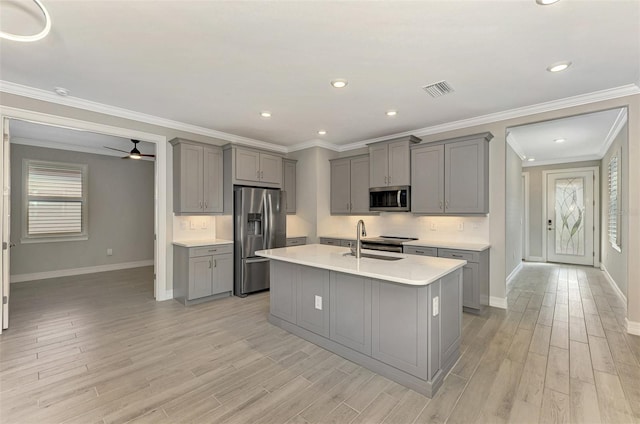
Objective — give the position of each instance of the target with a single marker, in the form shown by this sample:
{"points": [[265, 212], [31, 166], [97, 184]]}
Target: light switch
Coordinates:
{"points": [[460, 226], [192, 224], [204, 224], [319, 302], [434, 226], [436, 306]]}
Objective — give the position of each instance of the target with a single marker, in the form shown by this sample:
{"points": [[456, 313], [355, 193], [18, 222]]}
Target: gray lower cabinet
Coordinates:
{"points": [[202, 273], [390, 328], [351, 311], [296, 241], [451, 177], [337, 242], [475, 274]]}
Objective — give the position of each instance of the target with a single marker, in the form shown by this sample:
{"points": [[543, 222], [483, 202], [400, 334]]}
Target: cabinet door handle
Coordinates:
{"points": [[205, 205], [258, 174], [446, 204], [209, 263], [441, 205], [215, 264], [200, 205], [389, 179], [213, 250], [385, 180], [262, 175], [456, 256], [420, 251]]}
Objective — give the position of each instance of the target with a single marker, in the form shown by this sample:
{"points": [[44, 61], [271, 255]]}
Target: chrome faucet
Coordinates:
{"points": [[359, 232]]}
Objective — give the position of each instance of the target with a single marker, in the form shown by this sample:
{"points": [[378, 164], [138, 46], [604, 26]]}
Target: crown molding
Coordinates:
{"points": [[571, 159], [38, 94], [582, 99], [511, 140], [579, 100], [617, 126]]}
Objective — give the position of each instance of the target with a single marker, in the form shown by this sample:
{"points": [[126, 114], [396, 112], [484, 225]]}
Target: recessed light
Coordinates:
{"points": [[559, 140], [531, 159], [392, 112], [558, 66], [339, 83], [265, 114], [546, 2], [322, 132], [61, 91]]}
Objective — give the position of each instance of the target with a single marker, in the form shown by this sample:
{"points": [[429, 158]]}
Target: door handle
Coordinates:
{"points": [[389, 179], [441, 204], [215, 264], [209, 263], [399, 193], [385, 180], [262, 175], [255, 261], [205, 205]]}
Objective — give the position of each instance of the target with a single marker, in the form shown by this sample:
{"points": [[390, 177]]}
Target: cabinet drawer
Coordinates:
{"points": [[330, 241], [347, 243], [419, 250], [210, 250], [459, 254], [296, 241]]}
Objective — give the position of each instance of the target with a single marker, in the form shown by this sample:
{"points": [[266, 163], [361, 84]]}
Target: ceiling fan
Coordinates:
{"points": [[134, 153]]}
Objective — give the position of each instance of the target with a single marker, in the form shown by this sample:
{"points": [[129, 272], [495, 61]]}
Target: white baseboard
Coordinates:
{"points": [[18, 278], [166, 295], [535, 259], [613, 284], [498, 302], [633, 327], [515, 271]]}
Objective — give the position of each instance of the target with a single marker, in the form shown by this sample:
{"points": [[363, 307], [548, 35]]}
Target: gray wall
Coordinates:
{"points": [[121, 213], [536, 194], [613, 261], [513, 214]]}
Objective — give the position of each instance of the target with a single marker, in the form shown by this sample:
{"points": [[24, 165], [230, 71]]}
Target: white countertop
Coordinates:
{"points": [[460, 245], [411, 269], [199, 243], [296, 235], [337, 236]]}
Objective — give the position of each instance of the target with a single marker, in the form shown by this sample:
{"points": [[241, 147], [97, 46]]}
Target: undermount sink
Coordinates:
{"points": [[370, 256]]}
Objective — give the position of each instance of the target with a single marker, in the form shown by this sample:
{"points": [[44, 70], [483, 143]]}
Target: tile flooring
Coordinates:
{"points": [[98, 349]]}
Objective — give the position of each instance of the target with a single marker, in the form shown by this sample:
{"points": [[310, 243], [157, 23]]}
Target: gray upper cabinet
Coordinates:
{"points": [[451, 177], [289, 184], [197, 178], [350, 185], [390, 163], [252, 166]]}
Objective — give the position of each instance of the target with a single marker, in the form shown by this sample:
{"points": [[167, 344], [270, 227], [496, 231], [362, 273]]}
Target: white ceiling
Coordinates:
{"points": [[34, 134], [587, 137], [217, 64]]}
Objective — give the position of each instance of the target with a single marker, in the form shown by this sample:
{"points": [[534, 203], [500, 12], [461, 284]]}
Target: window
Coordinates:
{"points": [[614, 200], [55, 201]]}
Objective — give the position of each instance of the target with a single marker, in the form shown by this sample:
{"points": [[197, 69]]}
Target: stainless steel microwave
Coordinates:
{"points": [[390, 199]]}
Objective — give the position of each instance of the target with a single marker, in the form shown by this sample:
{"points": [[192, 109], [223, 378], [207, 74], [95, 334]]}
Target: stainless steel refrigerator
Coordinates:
{"points": [[260, 222]]}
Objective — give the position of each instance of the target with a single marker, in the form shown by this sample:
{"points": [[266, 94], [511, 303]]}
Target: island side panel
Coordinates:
{"points": [[283, 299], [451, 320], [399, 327], [313, 284], [351, 311]]}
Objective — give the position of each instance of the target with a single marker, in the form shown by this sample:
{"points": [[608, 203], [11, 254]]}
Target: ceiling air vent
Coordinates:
{"points": [[438, 89]]}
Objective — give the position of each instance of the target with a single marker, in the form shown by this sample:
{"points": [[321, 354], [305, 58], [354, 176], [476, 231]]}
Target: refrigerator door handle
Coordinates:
{"points": [[256, 260]]}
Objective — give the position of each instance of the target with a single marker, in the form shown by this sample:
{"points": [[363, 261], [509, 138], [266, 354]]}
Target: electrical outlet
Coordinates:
{"points": [[434, 226], [109, 252], [204, 224], [184, 224], [192, 224], [460, 226], [436, 306], [319, 302]]}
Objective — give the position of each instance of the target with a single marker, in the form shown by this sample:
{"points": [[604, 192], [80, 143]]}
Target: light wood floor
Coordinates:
{"points": [[99, 349]]}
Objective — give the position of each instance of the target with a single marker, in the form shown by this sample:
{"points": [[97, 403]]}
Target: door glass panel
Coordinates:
{"points": [[570, 216]]}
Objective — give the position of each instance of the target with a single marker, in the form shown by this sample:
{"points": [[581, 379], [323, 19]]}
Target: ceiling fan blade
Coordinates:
{"points": [[149, 156], [117, 150]]}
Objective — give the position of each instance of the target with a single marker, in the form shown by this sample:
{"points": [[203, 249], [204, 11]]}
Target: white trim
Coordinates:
{"points": [[536, 259], [525, 217], [38, 94], [572, 159], [596, 209], [511, 140], [498, 302], [19, 278], [513, 273], [633, 327], [617, 126], [613, 284], [582, 99], [163, 243]]}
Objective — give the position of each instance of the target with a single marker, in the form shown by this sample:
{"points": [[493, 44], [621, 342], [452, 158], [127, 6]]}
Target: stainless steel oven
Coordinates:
{"points": [[390, 199], [385, 243]]}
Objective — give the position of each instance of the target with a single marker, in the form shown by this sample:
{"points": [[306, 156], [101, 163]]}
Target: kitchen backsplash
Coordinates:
{"points": [[450, 228], [194, 227]]}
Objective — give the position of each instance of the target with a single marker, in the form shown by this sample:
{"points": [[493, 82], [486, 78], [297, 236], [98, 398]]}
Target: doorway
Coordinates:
{"points": [[161, 242], [571, 216]]}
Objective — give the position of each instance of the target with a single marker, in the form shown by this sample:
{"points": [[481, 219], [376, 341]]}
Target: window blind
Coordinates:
{"points": [[55, 199], [614, 200]]}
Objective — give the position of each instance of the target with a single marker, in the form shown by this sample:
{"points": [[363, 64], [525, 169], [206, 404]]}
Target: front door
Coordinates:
{"points": [[570, 217]]}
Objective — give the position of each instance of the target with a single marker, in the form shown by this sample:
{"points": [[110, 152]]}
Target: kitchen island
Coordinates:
{"points": [[398, 315]]}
